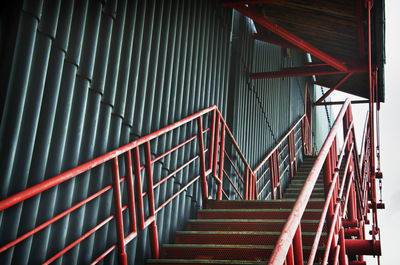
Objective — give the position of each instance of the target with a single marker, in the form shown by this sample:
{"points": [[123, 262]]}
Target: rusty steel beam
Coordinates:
{"points": [[295, 40], [308, 70]]}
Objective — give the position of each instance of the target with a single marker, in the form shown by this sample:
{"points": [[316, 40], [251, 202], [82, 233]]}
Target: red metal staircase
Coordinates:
{"points": [[317, 214], [245, 231]]}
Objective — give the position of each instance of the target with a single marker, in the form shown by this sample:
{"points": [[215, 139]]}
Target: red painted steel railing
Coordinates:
{"points": [[210, 161], [340, 209], [268, 173]]}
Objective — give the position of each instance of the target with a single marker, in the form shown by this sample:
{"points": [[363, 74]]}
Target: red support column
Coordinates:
{"points": [[122, 259]]}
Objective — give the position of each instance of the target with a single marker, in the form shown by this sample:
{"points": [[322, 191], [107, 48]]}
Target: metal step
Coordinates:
{"points": [[254, 213], [291, 189], [237, 237], [314, 195], [246, 224], [261, 204], [213, 251], [203, 261], [223, 252]]}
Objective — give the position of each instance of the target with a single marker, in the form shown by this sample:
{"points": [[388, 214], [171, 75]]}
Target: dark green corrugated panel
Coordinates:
{"points": [[263, 110], [87, 77]]}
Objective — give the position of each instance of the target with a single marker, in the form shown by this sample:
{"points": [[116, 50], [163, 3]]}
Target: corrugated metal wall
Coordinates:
{"points": [[89, 76], [262, 111]]}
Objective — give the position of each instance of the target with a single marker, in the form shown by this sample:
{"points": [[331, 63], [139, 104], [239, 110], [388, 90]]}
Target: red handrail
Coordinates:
{"points": [[340, 201], [271, 161], [218, 133]]}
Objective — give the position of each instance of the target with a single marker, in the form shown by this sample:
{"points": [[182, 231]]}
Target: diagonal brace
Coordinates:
{"points": [[333, 89]]}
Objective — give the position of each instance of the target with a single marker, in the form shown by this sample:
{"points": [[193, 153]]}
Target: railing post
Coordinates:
{"points": [[327, 184], [138, 187], [247, 185], [278, 174], [255, 195], [292, 155], [122, 259], [303, 135], [290, 256], [221, 163], [204, 188], [272, 167], [298, 246], [352, 197], [150, 196], [212, 138], [214, 168], [342, 254], [131, 194]]}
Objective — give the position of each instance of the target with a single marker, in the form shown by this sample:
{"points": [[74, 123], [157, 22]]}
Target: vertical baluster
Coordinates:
{"points": [[290, 256], [272, 167], [278, 174], [298, 246], [247, 185], [327, 183], [138, 187], [221, 162], [216, 146], [122, 259], [204, 188], [150, 197], [212, 139], [255, 195], [131, 199], [342, 254]]}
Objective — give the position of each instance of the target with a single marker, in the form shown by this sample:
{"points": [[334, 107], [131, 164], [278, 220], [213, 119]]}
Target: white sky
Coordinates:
{"points": [[388, 219]]}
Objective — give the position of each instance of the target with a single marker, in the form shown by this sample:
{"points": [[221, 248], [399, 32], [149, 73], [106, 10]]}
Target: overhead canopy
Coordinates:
{"points": [[335, 33]]}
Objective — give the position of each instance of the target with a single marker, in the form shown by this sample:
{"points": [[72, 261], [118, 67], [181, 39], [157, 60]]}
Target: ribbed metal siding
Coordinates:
{"points": [[262, 110], [89, 76]]}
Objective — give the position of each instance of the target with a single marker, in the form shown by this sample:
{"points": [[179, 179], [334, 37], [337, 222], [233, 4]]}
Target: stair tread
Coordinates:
{"points": [[249, 220], [202, 246], [204, 261], [256, 210], [266, 233], [263, 201], [225, 246]]}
